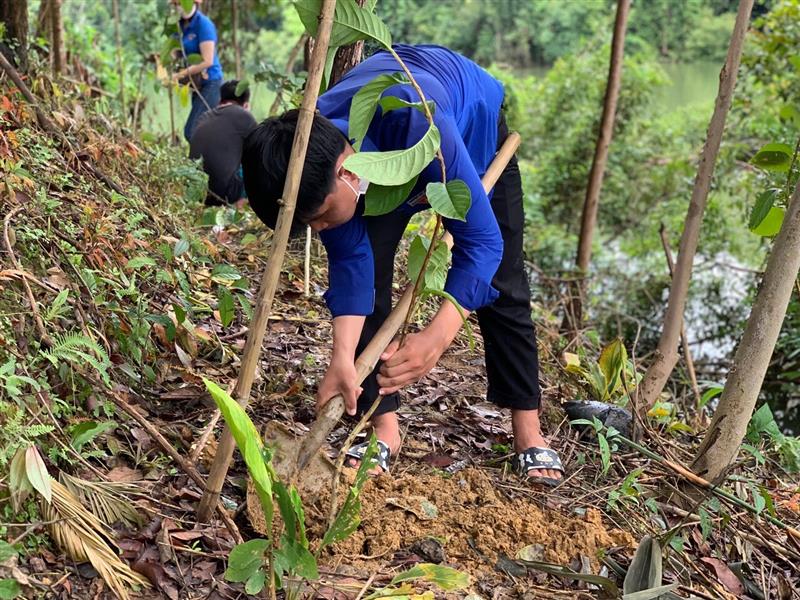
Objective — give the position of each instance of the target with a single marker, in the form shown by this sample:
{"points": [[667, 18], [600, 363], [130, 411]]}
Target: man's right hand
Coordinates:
{"points": [[340, 378]]}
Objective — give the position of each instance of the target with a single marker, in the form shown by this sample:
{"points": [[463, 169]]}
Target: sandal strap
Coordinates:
{"points": [[381, 458], [537, 458]]}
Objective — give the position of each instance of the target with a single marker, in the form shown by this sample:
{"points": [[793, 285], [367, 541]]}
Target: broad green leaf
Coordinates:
{"points": [[9, 589], [795, 60], [18, 483], [246, 559], [181, 246], [383, 199], [247, 308], [646, 567], [395, 167], [774, 157], [256, 583], [612, 364], [350, 23], [241, 87], [187, 5], [451, 200], [365, 103], [141, 261], [249, 442], [225, 306], [605, 452], [706, 526], [435, 270], [296, 560], [170, 44], [6, 551], [771, 224], [390, 103], [761, 209], [184, 92], [37, 474], [446, 578], [789, 112], [56, 307], [225, 274], [82, 433], [194, 59]]}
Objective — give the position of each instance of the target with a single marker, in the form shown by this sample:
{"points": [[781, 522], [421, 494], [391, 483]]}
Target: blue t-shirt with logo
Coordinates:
{"points": [[468, 102], [201, 29]]}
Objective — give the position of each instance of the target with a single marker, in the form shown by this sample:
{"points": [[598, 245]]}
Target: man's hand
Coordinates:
{"points": [[408, 364], [340, 378]]}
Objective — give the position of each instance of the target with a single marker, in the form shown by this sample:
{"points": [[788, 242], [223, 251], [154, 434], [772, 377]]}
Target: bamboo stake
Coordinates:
{"points": [[307, 265], [269, 281]]}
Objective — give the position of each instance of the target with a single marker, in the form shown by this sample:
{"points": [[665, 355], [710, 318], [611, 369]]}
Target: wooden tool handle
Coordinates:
{"points": [[334, 408]]}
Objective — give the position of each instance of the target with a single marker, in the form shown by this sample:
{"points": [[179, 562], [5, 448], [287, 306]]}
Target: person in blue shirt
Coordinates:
{"points": [[487, 274], [199, 36]]}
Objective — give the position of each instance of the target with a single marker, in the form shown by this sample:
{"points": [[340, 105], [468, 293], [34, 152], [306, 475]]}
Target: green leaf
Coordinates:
{"points": [[187, 5], [395, 167], [6, 551], [436, 269], [383, 199], [9, 589], [296, 560], [390, 103], [37, 474], [256, 583], [181, 246], [451, 200], [247, 308], [350, 23], [612, 364], [82, 433], [18, 483], [789, 112], [763, 421], [709, 394], [56, 307], [605, 452], [249, 442], [194, 59], [761, 208], [225, 306], [446, 578], [170, 44], [771, 224], [246, 559], [225, 274], [364, 105], [241, 87], [646, 567], [774, 157], [141, 261]]}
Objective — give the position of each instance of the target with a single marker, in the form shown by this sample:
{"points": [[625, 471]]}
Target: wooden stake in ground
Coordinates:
{"points": [[269, 281], [57, 51], [729, 425], [666, 354], [573, 316]]}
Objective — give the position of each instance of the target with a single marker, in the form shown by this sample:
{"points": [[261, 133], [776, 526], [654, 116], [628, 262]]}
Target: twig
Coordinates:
{"points": [[343, 456], [366, 586], [45, 339], [201, 443]]}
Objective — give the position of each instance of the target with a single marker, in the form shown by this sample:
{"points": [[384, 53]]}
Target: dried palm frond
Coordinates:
{"points": [[105, 499], [84, 537]]}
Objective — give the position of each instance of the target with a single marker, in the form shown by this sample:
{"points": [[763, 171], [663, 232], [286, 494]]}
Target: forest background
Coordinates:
{"points": [[552, 57]]}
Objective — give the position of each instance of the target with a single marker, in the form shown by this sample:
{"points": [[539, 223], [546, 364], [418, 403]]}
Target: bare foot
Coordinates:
{"points": [[528, 434], [386, 428]]}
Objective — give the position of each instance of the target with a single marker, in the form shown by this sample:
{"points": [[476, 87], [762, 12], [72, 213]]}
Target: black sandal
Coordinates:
{"points": [[538, 459], [381, 458]]}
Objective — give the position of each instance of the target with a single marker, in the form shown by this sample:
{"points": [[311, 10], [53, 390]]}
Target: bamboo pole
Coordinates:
{"points": [[269, 281]]}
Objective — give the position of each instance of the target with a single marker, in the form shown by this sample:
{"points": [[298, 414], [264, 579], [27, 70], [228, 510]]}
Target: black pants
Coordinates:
{"points": [[512, 362]]}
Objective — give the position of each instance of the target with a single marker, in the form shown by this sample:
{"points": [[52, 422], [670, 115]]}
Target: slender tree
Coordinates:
{"points": [[729, 425], [589, 217], [14, 15], [666, 355], [347, 57], [57, 40]]}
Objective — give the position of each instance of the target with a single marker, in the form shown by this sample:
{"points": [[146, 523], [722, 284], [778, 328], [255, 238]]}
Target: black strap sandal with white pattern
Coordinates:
{"points": [[381, 458], [538, 459]]}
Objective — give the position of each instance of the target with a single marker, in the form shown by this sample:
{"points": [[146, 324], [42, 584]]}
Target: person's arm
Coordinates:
{"points": [[207, 52], [341, 376]]}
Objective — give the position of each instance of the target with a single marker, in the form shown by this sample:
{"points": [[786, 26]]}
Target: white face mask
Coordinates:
{"points": [[363, 184]]}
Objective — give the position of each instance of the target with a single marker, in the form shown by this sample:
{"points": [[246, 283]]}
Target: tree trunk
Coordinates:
{"points": [[57, 29], [347, 57], [729, 425], [666, 354], [120, 65], [237, 52], [14, 15], [589, 217]]}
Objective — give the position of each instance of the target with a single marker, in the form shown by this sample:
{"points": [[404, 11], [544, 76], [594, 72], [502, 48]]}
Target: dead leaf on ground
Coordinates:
{"points": [[123, 473], [726, 577]]}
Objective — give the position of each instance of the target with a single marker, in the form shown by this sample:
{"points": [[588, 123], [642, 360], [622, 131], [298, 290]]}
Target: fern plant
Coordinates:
{"points": [[79, 350]]}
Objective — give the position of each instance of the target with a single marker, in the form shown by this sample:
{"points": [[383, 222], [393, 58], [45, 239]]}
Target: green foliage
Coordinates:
{"points": [[451, 200], [609, 379], [446, 578], [365, 103], [351, 23], [436, 269], [382, 199], [788, 448], [79, 350]]}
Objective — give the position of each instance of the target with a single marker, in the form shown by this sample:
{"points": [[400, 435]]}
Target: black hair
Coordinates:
{"points": [[265, 160], [227, 93]]}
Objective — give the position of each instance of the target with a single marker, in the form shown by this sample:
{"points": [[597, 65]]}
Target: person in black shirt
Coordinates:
{"points": [[218, 139]]}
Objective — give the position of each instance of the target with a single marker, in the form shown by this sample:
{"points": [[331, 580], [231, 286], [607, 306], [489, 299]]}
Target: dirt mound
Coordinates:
{"points": [[466, 513]]}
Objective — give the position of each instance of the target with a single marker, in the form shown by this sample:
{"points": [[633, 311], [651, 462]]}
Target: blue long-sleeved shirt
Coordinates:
{"points": [[468, 102]]}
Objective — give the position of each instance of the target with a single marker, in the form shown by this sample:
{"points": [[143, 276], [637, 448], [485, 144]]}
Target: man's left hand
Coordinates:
{"points": [[408, 364]]}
